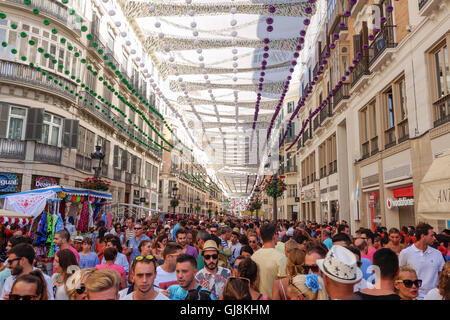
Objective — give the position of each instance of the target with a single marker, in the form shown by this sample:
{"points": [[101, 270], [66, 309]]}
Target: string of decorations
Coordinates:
{"points": [[355, 61]]}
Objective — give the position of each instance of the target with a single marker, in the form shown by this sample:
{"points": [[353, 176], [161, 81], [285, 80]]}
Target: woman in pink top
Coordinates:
{"points": [[110, 256]]}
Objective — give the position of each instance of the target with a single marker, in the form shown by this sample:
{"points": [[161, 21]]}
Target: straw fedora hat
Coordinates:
{"points": [[340, 265]]}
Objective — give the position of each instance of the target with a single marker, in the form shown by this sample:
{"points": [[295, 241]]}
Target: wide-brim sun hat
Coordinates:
{"points": [[210, 245], [340, 265]]}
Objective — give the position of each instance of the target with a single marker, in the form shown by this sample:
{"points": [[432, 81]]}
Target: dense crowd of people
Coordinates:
{"points": [[228, 258]]}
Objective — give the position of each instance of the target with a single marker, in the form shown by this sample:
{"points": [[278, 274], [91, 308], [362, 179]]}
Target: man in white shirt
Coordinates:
{"points": [[427, 261], [20, 261], [166, 274], [144, 271], [235, 246]]}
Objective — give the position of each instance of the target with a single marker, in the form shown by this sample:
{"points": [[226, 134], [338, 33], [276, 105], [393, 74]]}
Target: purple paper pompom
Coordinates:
{"points": [[351, 68], [308, 10], [316, 78], [342, 25], [359, 54], [347, 73], [269, 20], [269, 29], [299, 47], [371, 37], [302, 33], [335, 36], [296, 54], [266, 55], [306, 22], [383, 20], [343, 78], [332, 46], [301, 40], [264, 62], [324, 61], [327, 54], [347, 13], [355, 61], [294, 63], [266, 40], [261, 79], [263, 74], [389, 8], [272, 9], [266, 48], [291, 70]]}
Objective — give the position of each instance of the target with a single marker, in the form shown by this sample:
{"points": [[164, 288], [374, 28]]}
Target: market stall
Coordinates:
{"points": [[7, 216], [49, 207]]}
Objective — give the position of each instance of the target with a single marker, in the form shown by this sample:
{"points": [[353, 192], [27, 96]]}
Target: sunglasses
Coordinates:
{"points": [[359, 264], [137, 228], [209, 256], [10, 261], [252, 242], [313, 268], [19, 297], [147, 257], [410, 283]]}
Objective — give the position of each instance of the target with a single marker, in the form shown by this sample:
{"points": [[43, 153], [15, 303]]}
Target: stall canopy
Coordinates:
{"points": [[33, 202], [434, 197]]}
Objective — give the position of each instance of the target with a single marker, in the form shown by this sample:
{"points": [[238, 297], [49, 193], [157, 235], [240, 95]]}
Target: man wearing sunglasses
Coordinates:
{"points": [[20, 261], [133, 244], [212, 277]]}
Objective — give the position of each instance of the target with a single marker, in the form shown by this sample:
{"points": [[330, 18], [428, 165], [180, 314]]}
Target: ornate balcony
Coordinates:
{"points": [[47, 153], [442, 110], [14, 71], [341, 95], [381, 48], [360, 70], [12, 149]]}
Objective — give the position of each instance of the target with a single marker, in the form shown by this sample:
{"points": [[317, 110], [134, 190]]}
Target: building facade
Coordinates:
{"points": [[55, 109]]}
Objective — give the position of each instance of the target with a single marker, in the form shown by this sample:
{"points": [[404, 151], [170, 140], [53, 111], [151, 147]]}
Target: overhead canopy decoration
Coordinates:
{"points": [[229, 65]]}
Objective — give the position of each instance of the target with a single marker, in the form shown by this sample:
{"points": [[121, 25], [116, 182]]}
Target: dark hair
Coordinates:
{"points": [[268, 230], [64, 234], [115, 241], [236, 289], [369, 234], [422, 229], [387, 261], [87, 240], [198, 294], [248, 269], [37, 278], [110, 254], [66, 259], [203, 235], [319, 248], [342, 237], [101, 233], [341, 228], [299, 237], [393, 230], [180, 230], [216, 239], [23, 250], [160, 238], [171, 248], [15, 240], [247, 249], [187, 258]]}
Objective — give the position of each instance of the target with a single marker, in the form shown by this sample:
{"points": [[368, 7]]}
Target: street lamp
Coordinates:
{"points": [[197, 201], [174, 196], [257, 190], [97, 158]]}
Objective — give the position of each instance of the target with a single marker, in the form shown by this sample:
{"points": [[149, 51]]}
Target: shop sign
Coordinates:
{"points": [[9, 182], [43, 182], [402, 202], [404, 192]]}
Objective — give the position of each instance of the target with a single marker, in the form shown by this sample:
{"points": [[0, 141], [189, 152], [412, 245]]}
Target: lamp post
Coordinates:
{"points": [[174, 195], [197, 201], [97, 158], [257, 190]]}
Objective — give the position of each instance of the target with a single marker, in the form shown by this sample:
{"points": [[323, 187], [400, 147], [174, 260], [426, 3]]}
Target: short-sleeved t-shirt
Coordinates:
{"points": [[88, 261], [427, 264], [178, 293], [271, 264], [190, 250], [165, 279], [116, 267], [213, 282], [71, 249]]}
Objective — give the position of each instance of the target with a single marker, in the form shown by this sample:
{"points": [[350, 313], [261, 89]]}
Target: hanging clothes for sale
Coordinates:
{"points": [[108, 220], [62, 209], [83, 223], [91, 215], [41, 233]]}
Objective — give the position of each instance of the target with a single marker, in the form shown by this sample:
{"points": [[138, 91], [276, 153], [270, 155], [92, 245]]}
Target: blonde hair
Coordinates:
{"points": [[101, 280], [444, 282], [290, 245], [74, 281], [295, 261], [407, 269], [299, 286]]}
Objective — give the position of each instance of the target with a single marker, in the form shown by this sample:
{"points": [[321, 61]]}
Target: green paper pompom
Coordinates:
{"points": [[78, 19], [36, 11], [2, 15], [100, 51], [40, 49], [100, 78], [95, 73], [83, 60], [89, 36], [14, 25], [55, 81], [27, 2], [46, 22], [32, 42], [54, 31], [95, 44], [76, 54], [63, 40], [46, 55], [84, 28], [13, 51], [70, 48], [54, 61], [39, 69], [50, 77], [72, 77], [23, 58], [67, 72], [71, 12], [4, 44]]}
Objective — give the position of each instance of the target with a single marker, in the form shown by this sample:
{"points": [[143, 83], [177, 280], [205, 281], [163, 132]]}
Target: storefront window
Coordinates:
{"points": [[374, 210]]}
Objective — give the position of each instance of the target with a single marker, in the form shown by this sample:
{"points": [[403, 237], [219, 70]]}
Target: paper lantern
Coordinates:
{"points": [[73, 199], [61, 194]]}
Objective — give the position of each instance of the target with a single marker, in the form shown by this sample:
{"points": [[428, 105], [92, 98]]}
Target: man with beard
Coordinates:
{"points": [[212, 277], [166, 274], [144, 271], [186, 269], [181, 238], [20, 261]]}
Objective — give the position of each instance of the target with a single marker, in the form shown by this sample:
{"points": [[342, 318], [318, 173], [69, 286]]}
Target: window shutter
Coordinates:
{"points": [[70, 133], [116, 157], [4, 113], [124, 160], [356, 44], [35, 121], [138, 166], [106, 148]]}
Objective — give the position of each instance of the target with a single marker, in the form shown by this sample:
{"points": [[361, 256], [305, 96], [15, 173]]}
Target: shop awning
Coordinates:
{"points": [[434, 197]]}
